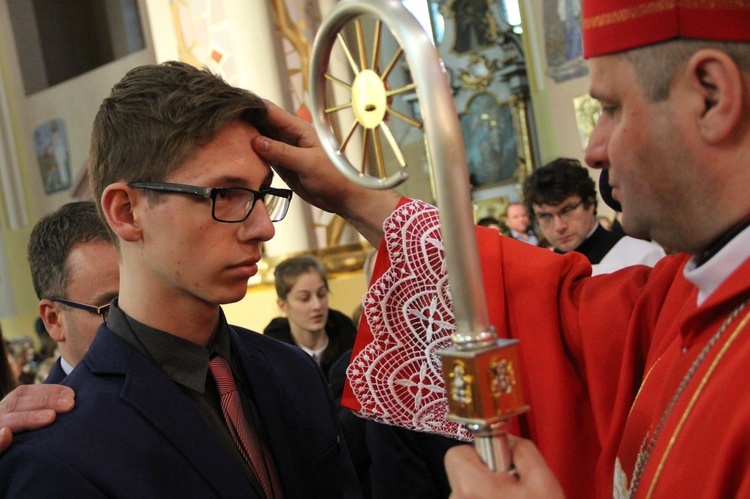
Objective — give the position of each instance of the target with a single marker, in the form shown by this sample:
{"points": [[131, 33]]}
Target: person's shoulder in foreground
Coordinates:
{"points": [[132, 432]]}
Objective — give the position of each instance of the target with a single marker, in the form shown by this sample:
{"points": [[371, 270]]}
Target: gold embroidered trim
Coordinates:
{"points": [[657, 6], [648, 444], [693, 401], [643, 384]]}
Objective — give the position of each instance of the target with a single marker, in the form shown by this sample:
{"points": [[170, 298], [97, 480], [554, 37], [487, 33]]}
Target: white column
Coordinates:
{"points": [[254, 49], [260, 70]]}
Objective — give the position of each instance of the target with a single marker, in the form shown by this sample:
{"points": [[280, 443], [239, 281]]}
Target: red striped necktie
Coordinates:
{"points": [[244, 437]]}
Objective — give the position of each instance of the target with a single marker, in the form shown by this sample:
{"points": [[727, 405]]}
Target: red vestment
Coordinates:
{"points": [[586, 346]]}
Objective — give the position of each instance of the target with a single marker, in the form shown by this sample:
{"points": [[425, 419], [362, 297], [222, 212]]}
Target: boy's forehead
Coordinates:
{"points": [[229, 149], [611, 26]]}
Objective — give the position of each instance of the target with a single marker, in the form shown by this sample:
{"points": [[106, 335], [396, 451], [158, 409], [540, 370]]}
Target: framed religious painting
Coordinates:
{"points": [[53, 155], [490, 140], [492, 207], [564, 40], [587, 111]]}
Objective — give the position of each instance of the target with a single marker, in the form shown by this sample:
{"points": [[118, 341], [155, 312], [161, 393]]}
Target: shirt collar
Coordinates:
{"points": [[709, 276], [67, 368], [593, 229], [317, 353], [183, 361]]}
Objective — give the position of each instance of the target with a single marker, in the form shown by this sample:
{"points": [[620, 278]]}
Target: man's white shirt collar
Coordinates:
{"points": [[65, 366], [709, 276]]}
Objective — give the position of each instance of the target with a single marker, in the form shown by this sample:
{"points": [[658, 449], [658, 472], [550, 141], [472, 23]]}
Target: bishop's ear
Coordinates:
{"points": [[720, 82], [118, 205]]}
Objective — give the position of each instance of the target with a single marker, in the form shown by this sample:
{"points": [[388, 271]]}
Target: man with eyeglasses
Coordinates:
{"points": [[170, 400], [562, 197], [75, 275]]}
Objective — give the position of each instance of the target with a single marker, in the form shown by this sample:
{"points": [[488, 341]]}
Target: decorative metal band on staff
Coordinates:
{"points": [[481, 372]]}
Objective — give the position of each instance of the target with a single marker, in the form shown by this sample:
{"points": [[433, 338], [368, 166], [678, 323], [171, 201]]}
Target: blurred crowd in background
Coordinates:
{"points": [[27, 361]]}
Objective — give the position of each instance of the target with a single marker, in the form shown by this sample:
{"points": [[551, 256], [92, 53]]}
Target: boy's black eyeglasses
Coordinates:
{"points": [[229, 204], [103, 310]]}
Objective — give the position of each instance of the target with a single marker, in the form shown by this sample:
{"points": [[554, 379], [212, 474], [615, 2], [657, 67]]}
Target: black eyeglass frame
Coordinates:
{"points": [[566, 211], [103, 310], [212, 192]]}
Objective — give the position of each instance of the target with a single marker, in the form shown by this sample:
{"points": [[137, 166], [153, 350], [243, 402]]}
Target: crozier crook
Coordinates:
{"points": [[481, 372]]}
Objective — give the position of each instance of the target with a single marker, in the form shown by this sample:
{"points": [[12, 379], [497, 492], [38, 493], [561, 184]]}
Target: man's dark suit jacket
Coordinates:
{"points": [[56, 374], [133, 433]]}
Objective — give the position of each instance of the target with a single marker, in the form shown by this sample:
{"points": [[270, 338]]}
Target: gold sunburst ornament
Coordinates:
{"points": [[370, 97]]}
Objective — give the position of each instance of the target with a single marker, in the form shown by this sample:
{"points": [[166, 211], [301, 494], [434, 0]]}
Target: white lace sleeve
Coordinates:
{"points": [[397, 378]]}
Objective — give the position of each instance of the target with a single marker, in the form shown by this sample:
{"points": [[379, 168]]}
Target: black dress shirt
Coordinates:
{"points": [[186, 364]]}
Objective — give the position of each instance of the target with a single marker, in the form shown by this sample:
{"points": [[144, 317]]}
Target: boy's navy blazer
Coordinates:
{"points": [[133, 433]]}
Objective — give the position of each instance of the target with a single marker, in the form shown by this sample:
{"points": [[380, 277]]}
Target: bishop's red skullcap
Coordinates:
{"points": [[611, 26]]}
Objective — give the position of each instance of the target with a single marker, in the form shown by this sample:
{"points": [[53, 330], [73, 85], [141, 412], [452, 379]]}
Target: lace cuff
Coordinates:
{"points": [[395, 375]]}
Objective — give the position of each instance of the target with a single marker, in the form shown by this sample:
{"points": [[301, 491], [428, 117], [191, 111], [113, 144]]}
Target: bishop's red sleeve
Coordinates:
{"points": [[542, 298]]}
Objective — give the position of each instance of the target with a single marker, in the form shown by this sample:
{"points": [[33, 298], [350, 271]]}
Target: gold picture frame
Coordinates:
{"points": [[492, 207]]}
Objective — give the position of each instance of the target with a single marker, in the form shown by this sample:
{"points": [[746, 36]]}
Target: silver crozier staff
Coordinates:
{"points": [[481, 372]]}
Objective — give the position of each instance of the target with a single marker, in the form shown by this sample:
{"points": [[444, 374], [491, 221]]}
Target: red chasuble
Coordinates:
{"points": [[586, 345]]}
